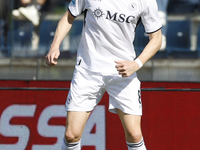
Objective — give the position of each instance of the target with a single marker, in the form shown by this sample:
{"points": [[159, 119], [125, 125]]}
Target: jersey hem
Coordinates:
{"points": [[79, 67]]}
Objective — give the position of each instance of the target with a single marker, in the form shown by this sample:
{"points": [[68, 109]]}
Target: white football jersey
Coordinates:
{"points": [[109, 30]]}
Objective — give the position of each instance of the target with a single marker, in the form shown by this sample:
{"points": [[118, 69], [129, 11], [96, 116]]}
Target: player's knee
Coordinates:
{"points": [[134, 137], [72, 137]]}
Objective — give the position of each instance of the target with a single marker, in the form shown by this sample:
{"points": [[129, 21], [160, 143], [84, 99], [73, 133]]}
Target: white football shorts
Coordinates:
{"points": [[87, 89]]}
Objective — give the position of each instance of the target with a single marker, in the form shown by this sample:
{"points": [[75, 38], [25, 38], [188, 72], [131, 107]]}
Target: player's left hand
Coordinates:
{"points": [[126, 68]]}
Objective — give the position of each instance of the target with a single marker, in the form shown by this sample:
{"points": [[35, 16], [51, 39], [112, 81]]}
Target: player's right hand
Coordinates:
{"points": [[52, 55]]}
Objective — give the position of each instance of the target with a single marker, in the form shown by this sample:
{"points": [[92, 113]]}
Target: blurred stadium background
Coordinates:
{"points": [[23, 46]]}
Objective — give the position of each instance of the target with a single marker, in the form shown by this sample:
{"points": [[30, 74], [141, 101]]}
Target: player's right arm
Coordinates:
{"points": [[62, 30]]}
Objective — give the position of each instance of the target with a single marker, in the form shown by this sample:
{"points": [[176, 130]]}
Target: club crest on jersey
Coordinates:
{"points": [[132, 6]]}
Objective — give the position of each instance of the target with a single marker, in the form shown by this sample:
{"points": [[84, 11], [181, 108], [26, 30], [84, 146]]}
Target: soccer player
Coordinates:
{"points": [[106, 61]]}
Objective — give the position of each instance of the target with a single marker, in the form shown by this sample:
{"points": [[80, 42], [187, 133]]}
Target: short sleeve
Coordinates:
{"points": [[150, 18], [76, 7]]}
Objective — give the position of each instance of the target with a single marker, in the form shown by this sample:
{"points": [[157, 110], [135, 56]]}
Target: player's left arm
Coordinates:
{"points": [[154, 44], [127, 68]]}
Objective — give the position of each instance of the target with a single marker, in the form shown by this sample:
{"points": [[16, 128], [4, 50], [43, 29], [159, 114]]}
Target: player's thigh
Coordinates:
{"points": [[75, 124], [131, 125]]}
